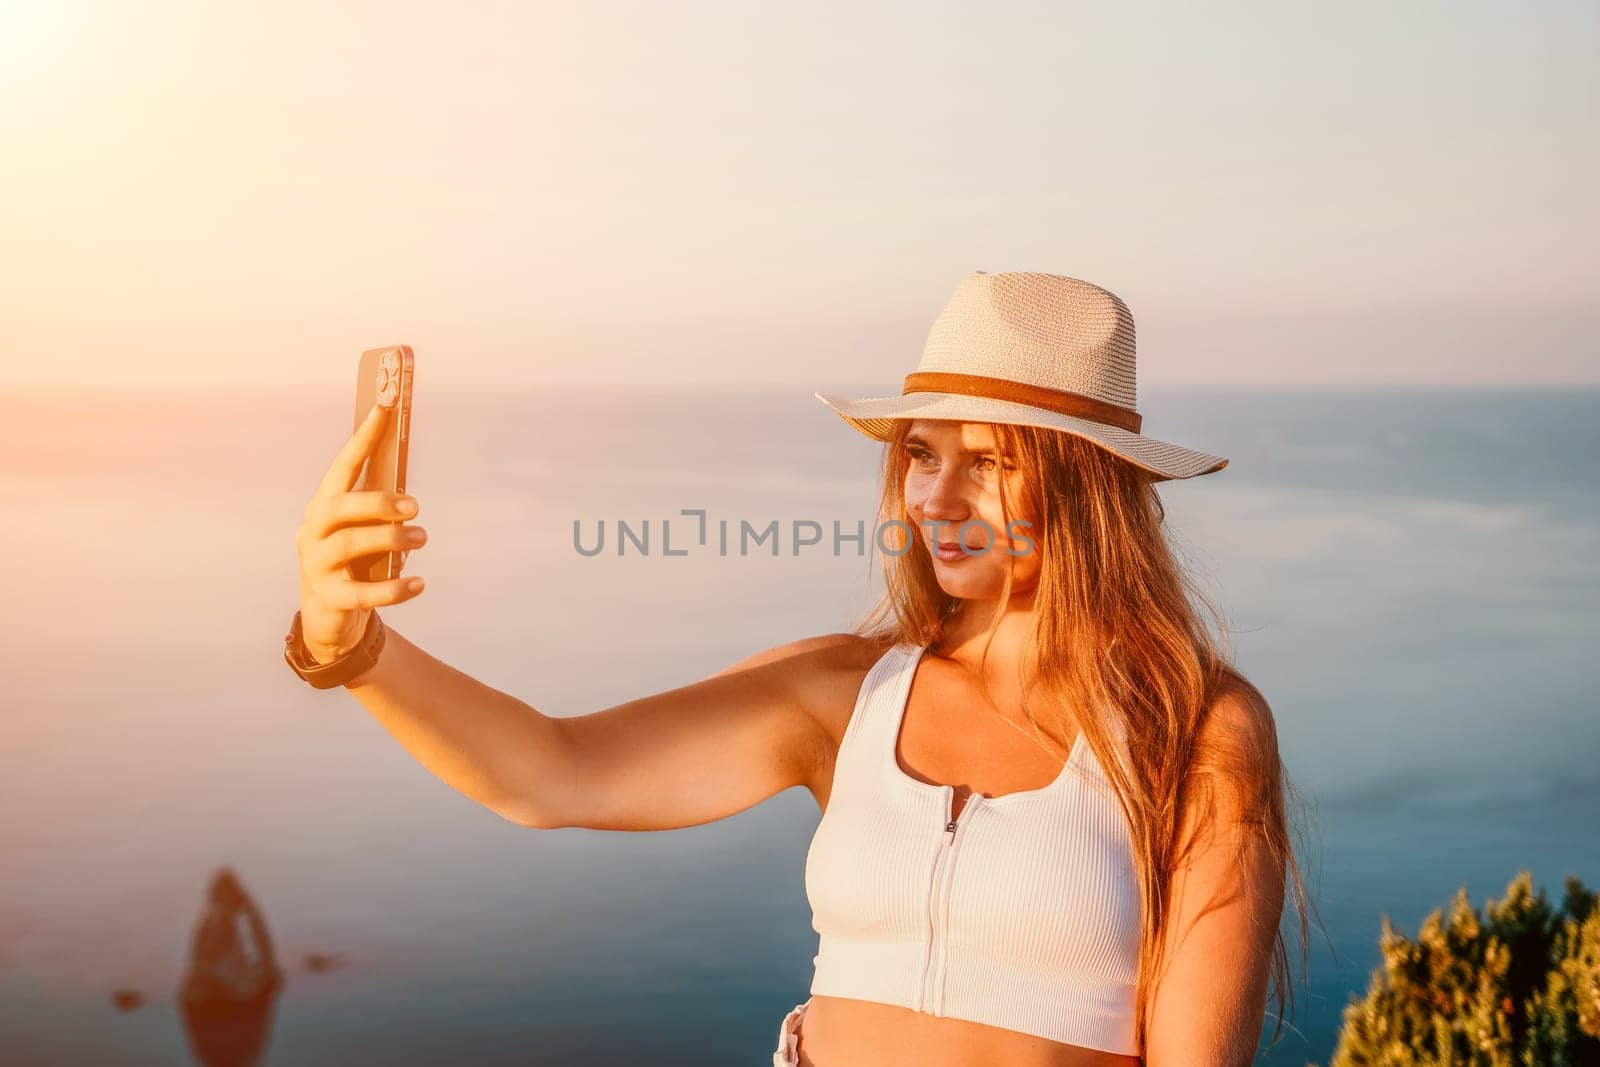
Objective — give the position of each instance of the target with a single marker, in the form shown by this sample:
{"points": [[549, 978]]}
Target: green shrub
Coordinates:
{"points": [[1517, 987]]}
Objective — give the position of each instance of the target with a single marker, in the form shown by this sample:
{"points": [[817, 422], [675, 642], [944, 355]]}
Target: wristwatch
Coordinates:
{"points": [[346, 668]]}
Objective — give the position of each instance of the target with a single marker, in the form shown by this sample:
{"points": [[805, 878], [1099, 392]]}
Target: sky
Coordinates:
{"points": [[1285, 194]]}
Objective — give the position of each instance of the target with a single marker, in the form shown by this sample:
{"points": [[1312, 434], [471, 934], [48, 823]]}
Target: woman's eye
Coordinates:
{"points": [[986, 463]]}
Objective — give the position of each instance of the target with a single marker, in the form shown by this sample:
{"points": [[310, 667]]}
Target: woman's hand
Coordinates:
{"points": [[338, 528]]}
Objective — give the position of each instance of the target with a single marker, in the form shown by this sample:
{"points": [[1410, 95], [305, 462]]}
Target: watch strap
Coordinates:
{"points": [[341, 671]]}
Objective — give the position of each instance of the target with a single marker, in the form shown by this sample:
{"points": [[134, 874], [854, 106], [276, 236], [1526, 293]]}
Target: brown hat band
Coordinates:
{"points": [[1057, 400]]}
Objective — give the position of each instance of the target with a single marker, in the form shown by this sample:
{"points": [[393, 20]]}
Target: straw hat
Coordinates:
{"points": [[1031, 350]]}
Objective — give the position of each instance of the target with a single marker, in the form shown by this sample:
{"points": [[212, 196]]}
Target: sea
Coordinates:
{"points": [[1411, 577]]}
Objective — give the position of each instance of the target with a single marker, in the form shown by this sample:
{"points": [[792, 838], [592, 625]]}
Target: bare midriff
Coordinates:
{"points": [[843, 1032]]}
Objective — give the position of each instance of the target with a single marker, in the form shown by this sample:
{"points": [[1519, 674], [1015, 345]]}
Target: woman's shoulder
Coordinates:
{"points": [[825, 672], [822, 653], [844, 660], [1238, 716], [1236, 749]]}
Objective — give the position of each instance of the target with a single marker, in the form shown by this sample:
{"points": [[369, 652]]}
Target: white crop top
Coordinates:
{"points": [[1021, 913]]}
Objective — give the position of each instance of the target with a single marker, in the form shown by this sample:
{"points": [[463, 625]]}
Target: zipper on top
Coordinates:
{"points": [[931, 997]]}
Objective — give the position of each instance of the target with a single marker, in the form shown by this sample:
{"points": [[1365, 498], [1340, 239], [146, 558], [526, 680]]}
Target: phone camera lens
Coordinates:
{"points": [[388, 387]]}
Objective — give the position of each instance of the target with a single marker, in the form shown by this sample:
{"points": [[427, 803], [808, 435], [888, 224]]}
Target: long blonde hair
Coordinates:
{"points": [[1116, 633]]}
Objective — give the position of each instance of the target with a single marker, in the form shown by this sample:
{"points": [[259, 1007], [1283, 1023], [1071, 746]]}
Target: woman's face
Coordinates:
{"points": [[952, 493]]}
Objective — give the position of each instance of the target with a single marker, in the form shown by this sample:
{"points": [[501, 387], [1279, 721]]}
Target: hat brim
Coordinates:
{"points": [[875, 417]]}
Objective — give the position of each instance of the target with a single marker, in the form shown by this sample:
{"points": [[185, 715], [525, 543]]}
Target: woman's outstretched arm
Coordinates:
{"points": [[678, 758]]}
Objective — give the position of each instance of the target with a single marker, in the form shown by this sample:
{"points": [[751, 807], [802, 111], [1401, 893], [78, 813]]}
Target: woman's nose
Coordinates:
{"points": [[946, 499]]}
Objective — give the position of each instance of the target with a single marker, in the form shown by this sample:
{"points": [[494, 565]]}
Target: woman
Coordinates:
{"points": [[1053, 828]]}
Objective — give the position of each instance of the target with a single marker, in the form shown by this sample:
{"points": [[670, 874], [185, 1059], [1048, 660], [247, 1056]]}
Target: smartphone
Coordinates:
{"points": [[383, 376]]}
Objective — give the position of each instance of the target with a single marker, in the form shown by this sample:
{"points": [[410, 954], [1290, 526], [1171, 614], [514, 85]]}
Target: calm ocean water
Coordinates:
{"points": [[1411, 577]]}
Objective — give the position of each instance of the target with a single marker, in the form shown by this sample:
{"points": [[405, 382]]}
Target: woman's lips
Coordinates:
{"points": [[951, 551]]}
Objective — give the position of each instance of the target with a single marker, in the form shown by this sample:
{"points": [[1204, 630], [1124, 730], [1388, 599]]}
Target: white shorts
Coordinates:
{"points": [[786, 1054]]}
